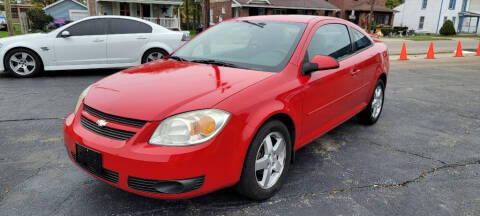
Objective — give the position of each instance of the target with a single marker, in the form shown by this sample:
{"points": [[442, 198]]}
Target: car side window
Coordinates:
{"points": [[126, 26], [88, 27], [360, 40], [330, 40]]}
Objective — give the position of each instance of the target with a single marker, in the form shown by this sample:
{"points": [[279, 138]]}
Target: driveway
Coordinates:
{"points": [[421, 158]]}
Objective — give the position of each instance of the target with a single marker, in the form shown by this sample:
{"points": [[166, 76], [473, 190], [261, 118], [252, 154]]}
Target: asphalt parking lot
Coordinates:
{"points": [[421, 158]]}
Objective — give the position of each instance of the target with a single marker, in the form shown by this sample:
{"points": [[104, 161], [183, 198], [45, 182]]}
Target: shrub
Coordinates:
{"points": [[400, 29], [386, 31], [39, 18], [447, 28]]}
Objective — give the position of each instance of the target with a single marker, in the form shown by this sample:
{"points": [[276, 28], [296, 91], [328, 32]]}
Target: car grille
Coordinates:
{"points": [[117, 119], [106, 131], [106, 174], [148, 185]]}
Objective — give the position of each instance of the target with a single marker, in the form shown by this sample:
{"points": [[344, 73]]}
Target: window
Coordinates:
{"points": [[464, 5], [88, 27], [422, 21], [124, 9], [126, 26], [451, 4], [445, 19], [330, 40], [360, 41], [424, 4]]}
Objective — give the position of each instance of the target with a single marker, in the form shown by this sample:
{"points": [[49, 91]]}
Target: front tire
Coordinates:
{"points": [[267, 162], [22, 62], [153, 55], [371, 113]]}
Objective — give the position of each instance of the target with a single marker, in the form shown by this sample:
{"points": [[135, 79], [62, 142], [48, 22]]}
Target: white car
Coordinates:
{"points": [[90, 43]]}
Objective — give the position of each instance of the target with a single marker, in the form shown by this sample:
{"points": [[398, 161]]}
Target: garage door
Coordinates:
{"points": [[78, 14]]}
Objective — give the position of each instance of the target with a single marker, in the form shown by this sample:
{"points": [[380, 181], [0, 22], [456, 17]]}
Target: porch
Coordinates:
{"points": [[159, 12]]}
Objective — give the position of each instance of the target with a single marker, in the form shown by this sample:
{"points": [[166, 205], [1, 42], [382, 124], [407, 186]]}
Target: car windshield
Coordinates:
{"points": [[254, 45]]}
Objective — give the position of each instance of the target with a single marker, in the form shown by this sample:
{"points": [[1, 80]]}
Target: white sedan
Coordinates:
{"points": [[90, 43]]}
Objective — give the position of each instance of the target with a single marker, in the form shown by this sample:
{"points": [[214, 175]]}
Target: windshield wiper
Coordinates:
{"points": [[215, 62], [177, 58], [255, 24]]}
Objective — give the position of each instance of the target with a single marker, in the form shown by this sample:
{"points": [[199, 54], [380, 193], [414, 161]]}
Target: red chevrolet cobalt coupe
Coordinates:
{"points": [[229, 108]]}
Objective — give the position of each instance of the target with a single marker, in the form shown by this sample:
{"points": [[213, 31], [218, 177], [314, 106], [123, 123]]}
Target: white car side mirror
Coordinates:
{"points": [[65, 34]]}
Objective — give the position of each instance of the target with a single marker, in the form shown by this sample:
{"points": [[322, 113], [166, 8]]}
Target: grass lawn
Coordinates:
{"points": [[16, 26]]}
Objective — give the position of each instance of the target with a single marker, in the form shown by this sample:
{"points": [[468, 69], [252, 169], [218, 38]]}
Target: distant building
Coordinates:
{"points": [[428, 16], [226, 9], [67, 9], [17, 9], [357, 11], [157, 11]]}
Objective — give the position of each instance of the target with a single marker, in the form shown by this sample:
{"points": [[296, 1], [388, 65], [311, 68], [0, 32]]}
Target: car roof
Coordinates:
{"points": [[287, 18]]}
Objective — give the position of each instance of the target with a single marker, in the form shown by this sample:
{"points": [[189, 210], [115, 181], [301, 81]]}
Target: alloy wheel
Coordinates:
{"points": [[22, 63], [270, 160], [154, 56], [377, 102]]}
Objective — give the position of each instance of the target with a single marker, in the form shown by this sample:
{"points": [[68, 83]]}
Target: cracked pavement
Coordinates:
{"points": [[421, 158]]}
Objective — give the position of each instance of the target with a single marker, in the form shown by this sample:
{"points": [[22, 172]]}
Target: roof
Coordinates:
{"points": [[287, 4], [366, 7], [286, 18], [165, 2], [58, 2]]}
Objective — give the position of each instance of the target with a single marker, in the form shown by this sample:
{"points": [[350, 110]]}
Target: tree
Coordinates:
{"points": [[39, 18], [448, 28], [393, 3], [43, 3], [8, 9]]}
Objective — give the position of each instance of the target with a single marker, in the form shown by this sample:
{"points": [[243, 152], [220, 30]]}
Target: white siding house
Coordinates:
{"points": [[428, 16]]}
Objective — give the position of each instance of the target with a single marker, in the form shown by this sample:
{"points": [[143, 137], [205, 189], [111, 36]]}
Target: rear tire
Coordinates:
{"points": [[21, 62], [153, 55], [266, 165], [371, 113]]}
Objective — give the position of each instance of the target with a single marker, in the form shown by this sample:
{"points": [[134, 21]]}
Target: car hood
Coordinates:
{"points": [[157, 90], [25, 37]]}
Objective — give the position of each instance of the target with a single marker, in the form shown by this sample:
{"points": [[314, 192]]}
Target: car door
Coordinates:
{"points": [[85, 46], [327, 93], [366, 63], [126, 39]]}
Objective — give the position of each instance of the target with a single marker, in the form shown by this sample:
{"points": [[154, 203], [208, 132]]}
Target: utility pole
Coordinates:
{"points": [[370, 16], [8, 13], [206, 14]]}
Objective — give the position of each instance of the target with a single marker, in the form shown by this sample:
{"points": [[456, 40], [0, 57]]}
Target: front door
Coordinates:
{"points": [[126, 39], [327, 92], [85, 46]]}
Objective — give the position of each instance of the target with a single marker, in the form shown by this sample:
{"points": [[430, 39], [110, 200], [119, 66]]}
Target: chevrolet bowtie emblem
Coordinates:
{"points": [[101, 123]]}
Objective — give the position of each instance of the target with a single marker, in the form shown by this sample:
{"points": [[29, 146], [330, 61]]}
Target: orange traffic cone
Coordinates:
{"points": [[478, 50], [430, 53], [459, 52], [403, 53]]}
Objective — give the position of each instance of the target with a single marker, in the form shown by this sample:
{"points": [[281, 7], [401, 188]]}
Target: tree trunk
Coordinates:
{"points": [[187, 14], [370, 16], [8, 13], [206, 14]]}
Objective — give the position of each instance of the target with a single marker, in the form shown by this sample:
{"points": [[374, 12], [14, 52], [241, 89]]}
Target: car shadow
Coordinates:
{"points": [[70, 73]]}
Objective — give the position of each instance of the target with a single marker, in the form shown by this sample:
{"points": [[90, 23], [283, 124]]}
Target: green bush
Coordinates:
{"points": [[386, 31], [39, 18], [400, 29], [448, 28]]}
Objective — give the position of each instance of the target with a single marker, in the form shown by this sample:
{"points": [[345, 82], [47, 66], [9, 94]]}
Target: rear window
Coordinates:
{"points": [[126, 26]]}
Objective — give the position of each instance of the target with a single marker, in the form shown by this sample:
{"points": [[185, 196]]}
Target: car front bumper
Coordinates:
{"points": [[159, 171]]}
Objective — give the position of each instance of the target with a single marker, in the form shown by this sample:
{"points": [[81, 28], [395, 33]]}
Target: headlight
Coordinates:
{"points": [[81, 97], [190, 128]]}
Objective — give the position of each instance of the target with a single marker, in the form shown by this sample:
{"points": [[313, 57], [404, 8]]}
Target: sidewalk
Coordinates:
{"points": [[421, 47]]}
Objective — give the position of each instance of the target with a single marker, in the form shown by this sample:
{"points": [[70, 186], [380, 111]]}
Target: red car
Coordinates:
{"points": [[229, 108]]}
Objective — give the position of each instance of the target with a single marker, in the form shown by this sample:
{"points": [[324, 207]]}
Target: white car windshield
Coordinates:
{"points": [[255, 45]]}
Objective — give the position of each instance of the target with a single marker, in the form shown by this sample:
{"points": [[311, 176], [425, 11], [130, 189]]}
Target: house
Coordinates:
{"points": [[157, 11], [225, 9], [428, 16], [357, 11], [67, 9], [17, 9]]}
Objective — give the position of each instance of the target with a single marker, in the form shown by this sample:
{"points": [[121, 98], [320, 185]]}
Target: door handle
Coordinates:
{"points": [[98, 40], [354, 72], [141, 38]]}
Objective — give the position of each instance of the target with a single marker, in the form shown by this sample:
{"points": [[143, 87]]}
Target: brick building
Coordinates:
{"points": [[225, 9], [357, 11]]}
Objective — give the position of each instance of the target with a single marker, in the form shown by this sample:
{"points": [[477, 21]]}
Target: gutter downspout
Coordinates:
{"points": [[439, 16]]}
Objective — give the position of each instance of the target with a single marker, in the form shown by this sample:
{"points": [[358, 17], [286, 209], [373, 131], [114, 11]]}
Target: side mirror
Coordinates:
{"points": [[319, 62], [65, 34]]}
